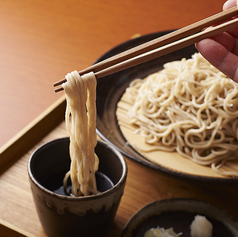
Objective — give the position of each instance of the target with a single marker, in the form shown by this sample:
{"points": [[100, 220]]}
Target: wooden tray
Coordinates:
{"points": [[18, 216]]}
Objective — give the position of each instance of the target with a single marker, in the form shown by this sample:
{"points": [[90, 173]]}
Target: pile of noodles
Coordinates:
{"points": [[189, 107]]}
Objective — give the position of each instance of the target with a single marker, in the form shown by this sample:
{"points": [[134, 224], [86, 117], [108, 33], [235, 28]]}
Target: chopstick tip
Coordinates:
{"points": [[59, 89], [59, 82]]}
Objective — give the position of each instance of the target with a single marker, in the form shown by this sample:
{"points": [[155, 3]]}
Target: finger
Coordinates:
{"points": [[219, 57], [228, 41], [229, 4], [233, 32]]}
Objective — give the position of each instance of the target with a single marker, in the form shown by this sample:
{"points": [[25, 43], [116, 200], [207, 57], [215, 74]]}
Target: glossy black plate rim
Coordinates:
{"points": [[159, 207], [107, 127]]}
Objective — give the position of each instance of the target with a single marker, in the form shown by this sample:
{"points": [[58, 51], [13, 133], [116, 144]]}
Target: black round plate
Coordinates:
{"points": [[111, 88], [179, 214]]}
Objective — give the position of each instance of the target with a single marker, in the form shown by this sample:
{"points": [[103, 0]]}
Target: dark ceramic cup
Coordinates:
{"points": [[62, 215]]}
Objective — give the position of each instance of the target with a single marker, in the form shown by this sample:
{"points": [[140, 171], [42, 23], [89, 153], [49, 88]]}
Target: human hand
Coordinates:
{"points": [[222, 50]]}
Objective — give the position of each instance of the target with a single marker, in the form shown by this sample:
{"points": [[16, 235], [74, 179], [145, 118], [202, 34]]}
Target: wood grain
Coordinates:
{"points": [[40, 42], [31, 134]]}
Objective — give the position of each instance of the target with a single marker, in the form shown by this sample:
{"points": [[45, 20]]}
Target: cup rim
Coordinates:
{"points": [[88, 197]]}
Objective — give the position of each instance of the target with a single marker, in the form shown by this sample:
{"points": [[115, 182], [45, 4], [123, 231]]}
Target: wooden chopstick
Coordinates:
{"points": [[163, 45]]}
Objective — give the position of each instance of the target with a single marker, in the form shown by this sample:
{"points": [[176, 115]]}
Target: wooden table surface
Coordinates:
{"points": [[40, 42]]}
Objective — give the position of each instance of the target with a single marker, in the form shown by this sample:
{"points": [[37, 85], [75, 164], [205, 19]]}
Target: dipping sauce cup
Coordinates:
{"points": [[67, 215]]}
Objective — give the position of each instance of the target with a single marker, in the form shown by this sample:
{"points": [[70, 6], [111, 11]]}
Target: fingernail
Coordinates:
{"points": [[230, 3]]}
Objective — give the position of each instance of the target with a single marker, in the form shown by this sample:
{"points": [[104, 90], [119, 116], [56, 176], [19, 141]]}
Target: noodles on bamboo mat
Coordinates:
{"points": [[184, 118]]}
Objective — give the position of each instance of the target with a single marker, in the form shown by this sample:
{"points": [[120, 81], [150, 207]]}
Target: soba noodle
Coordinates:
{"points": [[80, 117], [189, 107]]}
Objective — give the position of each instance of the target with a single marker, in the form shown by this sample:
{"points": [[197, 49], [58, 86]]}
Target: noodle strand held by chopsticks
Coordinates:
{"points": [[80, 117], [189, 107]]}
